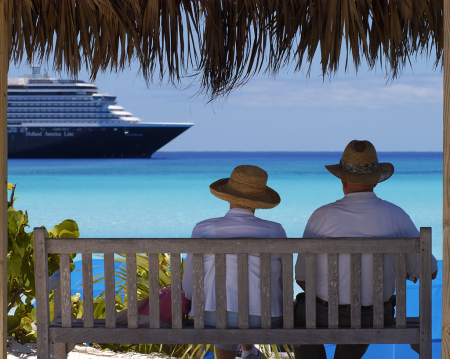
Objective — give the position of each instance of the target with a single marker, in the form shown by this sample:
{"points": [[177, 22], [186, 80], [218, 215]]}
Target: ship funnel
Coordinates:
{"points": [[35, 71]]}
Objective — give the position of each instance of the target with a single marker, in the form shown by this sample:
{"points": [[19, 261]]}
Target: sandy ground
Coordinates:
{"points": [[28, 351], [16, 350]]}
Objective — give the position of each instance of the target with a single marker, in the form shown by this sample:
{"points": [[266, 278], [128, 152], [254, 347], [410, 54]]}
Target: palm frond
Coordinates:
{"points": [[224, 43]]}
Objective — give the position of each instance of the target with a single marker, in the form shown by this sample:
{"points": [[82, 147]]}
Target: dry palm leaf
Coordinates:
{"points": [[223, 43]]}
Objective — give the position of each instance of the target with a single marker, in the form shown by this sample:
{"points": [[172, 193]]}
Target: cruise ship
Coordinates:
{"points": [[51, 118]]}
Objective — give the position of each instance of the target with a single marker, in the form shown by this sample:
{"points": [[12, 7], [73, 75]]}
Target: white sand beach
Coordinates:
{"points": [[28, 351]]}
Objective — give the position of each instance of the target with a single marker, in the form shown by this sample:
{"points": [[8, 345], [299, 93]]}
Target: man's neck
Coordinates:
{"points": [[233, 205], [358, 191], [349, 187]]}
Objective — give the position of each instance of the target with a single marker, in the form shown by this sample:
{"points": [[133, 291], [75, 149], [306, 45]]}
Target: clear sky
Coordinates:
{"points": [[293, 112]]}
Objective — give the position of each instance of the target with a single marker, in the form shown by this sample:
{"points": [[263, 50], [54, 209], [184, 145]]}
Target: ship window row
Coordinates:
{"points": [[48, 98], [21, 122], [59, 116], [42, 95], [62, 110], [52, 104], [51, 86]]}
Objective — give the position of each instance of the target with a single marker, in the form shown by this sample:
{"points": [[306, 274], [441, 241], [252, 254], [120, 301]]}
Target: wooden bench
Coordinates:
{"points": [[68, 330]]}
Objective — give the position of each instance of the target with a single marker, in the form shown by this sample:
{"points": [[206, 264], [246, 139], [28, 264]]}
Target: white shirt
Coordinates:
{"points": [[238, 222], [360, 214]]}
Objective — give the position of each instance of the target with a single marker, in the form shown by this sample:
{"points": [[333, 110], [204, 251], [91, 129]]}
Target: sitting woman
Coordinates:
{"points": [[246, 191]]}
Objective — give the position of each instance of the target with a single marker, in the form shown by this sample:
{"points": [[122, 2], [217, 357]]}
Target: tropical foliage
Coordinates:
{"points": [[20, 276]]}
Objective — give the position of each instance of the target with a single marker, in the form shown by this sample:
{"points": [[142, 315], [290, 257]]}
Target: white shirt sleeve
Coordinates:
{"points": [[282, 232], [413, 259], [188, 276]]}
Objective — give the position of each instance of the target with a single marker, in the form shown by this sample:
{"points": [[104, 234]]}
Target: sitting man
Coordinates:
{"points": [[359, 214], [246, 191]]}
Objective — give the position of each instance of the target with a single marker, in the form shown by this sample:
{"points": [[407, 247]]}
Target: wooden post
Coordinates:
{"points": [[445, 345], [4, 63]]}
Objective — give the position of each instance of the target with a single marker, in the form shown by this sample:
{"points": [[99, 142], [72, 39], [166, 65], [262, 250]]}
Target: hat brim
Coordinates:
{"points": [[383, 173], [269, 199]]}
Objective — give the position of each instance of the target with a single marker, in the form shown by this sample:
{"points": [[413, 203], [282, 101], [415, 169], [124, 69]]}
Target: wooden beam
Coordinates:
{"points": [[445, 344], [4, 64]]}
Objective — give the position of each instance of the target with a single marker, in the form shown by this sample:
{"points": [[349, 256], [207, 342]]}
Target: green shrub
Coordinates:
{"points": [[20, 274]]}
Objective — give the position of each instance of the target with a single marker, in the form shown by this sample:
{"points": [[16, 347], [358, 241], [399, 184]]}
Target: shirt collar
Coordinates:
{"points": [[239, 212], [360, 196]]}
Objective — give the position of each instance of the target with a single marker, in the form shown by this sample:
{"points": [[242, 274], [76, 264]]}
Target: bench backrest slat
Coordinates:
{"points": [[378, 303], [153, 290], [265, 274], [110, 282], [175, 266], [221, 291], [42, 299], [288, 291], [310, 282], [199, 303], [88, 297], [132, 290], [400, 288], [333, 291], [355, 290], [57, 302], [66, 303], [425, 292], [243, 295]]}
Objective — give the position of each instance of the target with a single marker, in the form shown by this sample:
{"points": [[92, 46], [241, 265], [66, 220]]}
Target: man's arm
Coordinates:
{"points": [[187, 283]]}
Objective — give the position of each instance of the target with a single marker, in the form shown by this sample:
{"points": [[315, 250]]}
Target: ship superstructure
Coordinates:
{"points": [[52, 118]]}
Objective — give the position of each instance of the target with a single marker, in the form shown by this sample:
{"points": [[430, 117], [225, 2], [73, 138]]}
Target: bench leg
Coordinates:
{"points": [[62, 349]]}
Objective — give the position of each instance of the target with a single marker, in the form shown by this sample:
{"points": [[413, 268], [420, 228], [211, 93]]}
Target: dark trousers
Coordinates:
{"points": [[343, 351]]}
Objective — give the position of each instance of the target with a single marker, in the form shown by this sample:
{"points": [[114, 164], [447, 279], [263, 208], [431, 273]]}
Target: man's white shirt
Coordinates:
{"points": [[360, 214], [237, 223]]}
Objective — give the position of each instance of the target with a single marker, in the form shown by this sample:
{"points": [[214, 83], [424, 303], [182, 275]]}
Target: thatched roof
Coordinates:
{"points": [[223, 42]]}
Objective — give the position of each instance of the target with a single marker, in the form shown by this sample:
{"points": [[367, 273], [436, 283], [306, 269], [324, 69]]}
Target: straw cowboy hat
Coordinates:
{"points": [[359, 164], [246, 187]]}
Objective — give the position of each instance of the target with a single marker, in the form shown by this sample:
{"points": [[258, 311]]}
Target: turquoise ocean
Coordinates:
{"points": [[167, 195]]}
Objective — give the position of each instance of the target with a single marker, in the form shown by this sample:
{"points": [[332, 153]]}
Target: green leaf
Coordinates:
{"points": [[69, 225], [27, 327], [33, 315], [19, 247], [67, 234], [99, 307], [13, 323], [14, 264], [15, 219], [53, 233]]}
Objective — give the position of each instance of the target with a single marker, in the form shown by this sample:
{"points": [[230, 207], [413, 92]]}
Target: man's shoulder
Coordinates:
{"points": [[208, 221], [341, 206], [393, 208], [322, 211]]}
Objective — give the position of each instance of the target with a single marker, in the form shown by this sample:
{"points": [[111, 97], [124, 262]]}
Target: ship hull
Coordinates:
{"points": [[138, 141]]}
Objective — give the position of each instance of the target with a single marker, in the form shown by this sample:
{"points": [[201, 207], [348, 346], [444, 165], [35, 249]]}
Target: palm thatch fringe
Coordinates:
{"points": [[223, 43]]}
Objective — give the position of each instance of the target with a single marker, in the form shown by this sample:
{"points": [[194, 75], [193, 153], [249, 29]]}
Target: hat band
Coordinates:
{"points": [[361, 169]]}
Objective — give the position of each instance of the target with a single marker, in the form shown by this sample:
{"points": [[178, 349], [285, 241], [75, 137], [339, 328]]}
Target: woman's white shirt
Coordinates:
{"points": [[241, 223]]}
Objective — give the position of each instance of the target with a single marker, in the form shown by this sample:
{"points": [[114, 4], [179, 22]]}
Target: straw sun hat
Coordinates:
{"points": [[246, 187], [359, 164]]}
